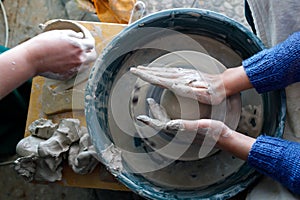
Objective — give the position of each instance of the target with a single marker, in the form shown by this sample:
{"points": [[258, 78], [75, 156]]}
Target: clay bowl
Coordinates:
{"points": [[61, 24], [112, 125]]}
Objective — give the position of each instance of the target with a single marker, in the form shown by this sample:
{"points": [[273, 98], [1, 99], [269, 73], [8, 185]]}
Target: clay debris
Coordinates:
{"points": [[43, 152]]}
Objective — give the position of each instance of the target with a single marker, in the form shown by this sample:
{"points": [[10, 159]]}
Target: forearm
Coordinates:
{"points": [[235, 80], [226, 139], [278, 159], [268, 70], [275, 68], [237, 144], [16, 67], [274, 157]]}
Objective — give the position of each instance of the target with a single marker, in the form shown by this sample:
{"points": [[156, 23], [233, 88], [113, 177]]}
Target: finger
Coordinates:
{"points": [[71, 33], [85, 43], [203, 95], [190, 125], [167, 72], [184, 91], [215, 128], [162, 68], [89, 57], [174, 126], [160, 72], [84, 34], [202, 126], [162, 82], [154, 123], [157, 111], [200, 94], [198, 84], [78, 39], [194, 78]]}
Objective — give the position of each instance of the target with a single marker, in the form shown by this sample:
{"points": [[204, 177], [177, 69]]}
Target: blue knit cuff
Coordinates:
{"points": [[275, 68], [278, 159]]}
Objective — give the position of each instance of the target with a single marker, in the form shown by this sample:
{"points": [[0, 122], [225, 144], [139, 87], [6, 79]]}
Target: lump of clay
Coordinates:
{"points": [[70, 128], [26, 167], [48, 169], [68, 131], [40, 169], [28, 146], [42, 158], [42, 128], [82, 156], [54, 146]]}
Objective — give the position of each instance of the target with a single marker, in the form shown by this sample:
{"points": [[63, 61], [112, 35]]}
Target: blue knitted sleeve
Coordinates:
{"points": [[278, 159], [277, 67]]}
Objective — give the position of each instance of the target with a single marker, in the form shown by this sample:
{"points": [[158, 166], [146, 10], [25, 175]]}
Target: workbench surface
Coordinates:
{"points": [[100, 177]]}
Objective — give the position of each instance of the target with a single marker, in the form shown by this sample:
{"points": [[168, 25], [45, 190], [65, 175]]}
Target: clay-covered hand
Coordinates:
{"points": [[190, 83], [58, 54], [209, 133], [161, 121]]}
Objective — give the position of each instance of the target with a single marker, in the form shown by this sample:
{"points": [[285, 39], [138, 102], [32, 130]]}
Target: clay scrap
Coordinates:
{"points": [[43, 152]]}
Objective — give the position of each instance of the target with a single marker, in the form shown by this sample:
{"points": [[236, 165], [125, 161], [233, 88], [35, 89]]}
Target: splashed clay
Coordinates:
{"points": [[113, 156]]}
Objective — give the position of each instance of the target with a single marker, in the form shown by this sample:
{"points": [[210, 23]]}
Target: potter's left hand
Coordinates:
{"points": [[161, 121], [190, 83], [224, 138], [58, 54]]}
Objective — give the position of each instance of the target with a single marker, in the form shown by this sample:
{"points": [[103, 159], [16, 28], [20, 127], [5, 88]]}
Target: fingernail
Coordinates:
{"points": [[80, 35], [175, 125], [132, 69], [150, 101], [143, 118], [140, 66]]}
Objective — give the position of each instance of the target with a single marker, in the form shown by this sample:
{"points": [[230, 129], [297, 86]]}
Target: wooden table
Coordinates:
{"points": [[100, 177]]}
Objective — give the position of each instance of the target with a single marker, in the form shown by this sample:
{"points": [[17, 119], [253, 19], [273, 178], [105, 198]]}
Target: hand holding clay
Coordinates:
{"points": [[190, 83], [161, 121], [58, 54]]}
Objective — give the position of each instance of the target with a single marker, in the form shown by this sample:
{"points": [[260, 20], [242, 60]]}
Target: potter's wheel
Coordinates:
{"points": [[148, 162], [158, 156]]}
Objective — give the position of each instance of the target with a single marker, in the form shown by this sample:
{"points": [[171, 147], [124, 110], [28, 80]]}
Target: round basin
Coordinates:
{"points": [[148, 162]]}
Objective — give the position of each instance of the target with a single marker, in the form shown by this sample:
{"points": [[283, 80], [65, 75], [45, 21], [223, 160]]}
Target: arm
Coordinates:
{"points": [[190, 83], [235, 80], [277, 67], [271, 156], [223, 137], [15, 68], [226, 139], [268, 70], [60, 52], [278, 159], [274, 157]]}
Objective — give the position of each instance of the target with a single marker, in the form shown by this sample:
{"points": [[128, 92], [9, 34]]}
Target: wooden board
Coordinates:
{"points": [[100, 177]]}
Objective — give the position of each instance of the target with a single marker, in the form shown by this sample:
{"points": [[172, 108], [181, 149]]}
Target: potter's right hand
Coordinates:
{"points": [[58, 54], [190, 83]]}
